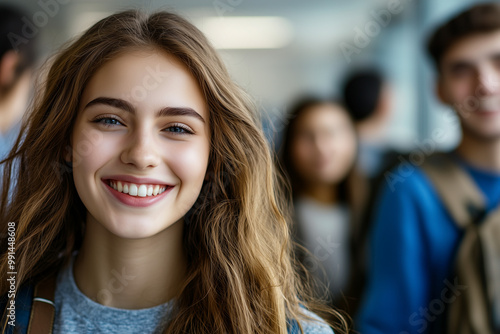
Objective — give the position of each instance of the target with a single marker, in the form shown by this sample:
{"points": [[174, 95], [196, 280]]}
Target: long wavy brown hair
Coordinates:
{"points": [[241, 272]]}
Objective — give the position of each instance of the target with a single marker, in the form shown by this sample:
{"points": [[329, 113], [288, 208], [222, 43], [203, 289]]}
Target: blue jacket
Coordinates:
{"points": [[413, 243]]}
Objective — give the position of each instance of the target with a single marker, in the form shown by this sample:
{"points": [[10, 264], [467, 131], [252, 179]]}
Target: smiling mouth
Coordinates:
{"points": [[138, 190]]}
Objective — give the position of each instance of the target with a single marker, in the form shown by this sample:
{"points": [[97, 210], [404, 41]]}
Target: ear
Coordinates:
{"points": [[68, 155], [440, 91], [384, 104], [8, 65]]}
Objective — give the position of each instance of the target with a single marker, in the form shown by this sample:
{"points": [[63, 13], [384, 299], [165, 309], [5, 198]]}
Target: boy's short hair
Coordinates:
{"points": [[482, 18], [11, 28], [361, 92]]}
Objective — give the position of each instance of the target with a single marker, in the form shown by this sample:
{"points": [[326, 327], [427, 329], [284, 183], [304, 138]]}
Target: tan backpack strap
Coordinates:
{"points": [[43, 308], [478, 269], [471, 312], [463, 200], [489, 234]]}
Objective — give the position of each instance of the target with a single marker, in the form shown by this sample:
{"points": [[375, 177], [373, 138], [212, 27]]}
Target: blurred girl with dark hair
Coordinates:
{"points": [[318, 154]]}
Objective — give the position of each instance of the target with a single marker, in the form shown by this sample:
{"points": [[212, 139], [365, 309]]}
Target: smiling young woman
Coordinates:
{"points": [[146, 187]]}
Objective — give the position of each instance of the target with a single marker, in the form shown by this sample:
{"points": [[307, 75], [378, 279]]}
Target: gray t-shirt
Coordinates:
{"points": [[325, 233], [78, 314]]}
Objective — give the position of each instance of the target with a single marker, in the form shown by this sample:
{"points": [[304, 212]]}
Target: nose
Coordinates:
{"points": [[321, 144], [141, 150]]}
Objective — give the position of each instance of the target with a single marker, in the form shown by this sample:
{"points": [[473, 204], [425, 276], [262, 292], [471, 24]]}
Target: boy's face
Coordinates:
{"points": [[470, 83]]}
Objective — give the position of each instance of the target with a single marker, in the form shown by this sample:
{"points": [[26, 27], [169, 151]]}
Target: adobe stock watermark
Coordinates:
{"points": [[31, 28], [224, 6], [363, 36], [115, 285], [12, 273], [416, 158], [436, 307], [150, 82], [324, 249]]}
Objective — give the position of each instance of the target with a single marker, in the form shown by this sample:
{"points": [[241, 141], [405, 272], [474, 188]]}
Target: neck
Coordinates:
{"points": [[483, 154], [323, 193], [371, 130], [130, 273]]}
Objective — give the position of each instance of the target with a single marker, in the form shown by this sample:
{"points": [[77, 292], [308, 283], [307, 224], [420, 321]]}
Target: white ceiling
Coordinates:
{"points": [[273, 76], [311, 62]]}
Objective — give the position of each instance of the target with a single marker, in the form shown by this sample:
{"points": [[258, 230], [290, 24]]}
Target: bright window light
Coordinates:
{"points": [[247, 32]]}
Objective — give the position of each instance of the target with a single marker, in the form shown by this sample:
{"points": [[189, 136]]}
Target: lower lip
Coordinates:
{"points": [[137, 201]]}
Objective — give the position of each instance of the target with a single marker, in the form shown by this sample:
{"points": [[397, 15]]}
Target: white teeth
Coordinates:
{"points": [[143, 190], [132, 190]]}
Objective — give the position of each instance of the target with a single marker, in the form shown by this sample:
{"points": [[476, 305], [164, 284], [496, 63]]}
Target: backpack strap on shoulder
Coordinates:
{"points": [[16, 317], [471, 312], [43, 309], [464, 202]]}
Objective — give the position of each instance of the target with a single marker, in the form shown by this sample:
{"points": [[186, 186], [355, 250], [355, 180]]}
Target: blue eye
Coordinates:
{"points": [[178, 129], [107, 121]]}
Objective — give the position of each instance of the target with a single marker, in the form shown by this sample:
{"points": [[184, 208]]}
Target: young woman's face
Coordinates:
{"points": [[140, 144], [323, 148]]}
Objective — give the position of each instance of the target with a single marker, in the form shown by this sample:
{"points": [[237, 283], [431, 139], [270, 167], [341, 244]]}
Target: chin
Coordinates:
{"points": [[136, 229], [483, 133]]}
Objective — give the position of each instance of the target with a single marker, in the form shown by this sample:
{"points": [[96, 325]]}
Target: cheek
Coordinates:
{"points": [[459, 90], [301, 152], [348, 148], [89, 150], [189, 163], [344, 152]]}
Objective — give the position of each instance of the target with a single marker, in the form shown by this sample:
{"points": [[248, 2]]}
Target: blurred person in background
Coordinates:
{"points": [[318, 154], [17, 59], [367, 97], [418, 246]]}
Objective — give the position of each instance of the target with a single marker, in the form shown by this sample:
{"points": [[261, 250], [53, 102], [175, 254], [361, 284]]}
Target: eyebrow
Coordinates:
{"points": [[495, 56], [128, 107], [470, 63], [459, 64]]}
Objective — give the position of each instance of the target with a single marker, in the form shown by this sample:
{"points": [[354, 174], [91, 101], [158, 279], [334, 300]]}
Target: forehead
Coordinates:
{"points": [[146, 79], [322, 115], [473, 49]]}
